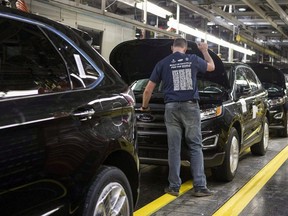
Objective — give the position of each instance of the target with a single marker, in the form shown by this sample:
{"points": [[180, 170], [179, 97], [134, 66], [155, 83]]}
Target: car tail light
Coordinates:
{"points": [[129, 96]]}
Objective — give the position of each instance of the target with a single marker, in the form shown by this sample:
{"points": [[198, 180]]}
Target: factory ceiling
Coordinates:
{"points": [[262, 24]]}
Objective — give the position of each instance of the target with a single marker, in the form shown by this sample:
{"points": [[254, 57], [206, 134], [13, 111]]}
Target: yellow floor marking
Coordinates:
{"points": [[162, 201], [238, 202]]}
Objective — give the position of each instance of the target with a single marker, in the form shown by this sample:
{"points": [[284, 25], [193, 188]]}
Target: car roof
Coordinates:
{"points": [[135, 59]]}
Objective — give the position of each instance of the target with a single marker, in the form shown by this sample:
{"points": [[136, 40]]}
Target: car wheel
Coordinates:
{"points": [[109, 194], [283, 132], [261, 147], [227, 170]]}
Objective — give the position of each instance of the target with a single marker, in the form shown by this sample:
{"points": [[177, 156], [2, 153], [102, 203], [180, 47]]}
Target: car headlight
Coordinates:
{"points": [[277, 101], [211, 113]]}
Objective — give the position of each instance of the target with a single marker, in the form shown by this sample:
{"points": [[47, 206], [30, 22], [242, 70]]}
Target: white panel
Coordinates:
{"points": [[113, 35], [45, 10], [113, 31], [89, 21], [69, 17]]}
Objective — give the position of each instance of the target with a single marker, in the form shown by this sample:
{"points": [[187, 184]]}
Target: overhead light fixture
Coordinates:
{"points": [[242, 9], [208, 37], [210, 23], [151, 8]]}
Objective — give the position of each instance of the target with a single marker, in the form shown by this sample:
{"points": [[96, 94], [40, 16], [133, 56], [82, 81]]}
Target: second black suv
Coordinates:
{"points": [[67, 125], [233, 107], [273, 80]]}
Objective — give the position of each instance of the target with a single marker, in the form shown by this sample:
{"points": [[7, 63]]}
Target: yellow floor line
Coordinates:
{"points": [[162, 201], [236, 204]]}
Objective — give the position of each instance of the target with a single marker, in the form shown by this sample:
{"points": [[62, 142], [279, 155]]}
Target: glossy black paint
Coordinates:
{"points": [[129, 59], [275, 82], [52, 143], [135, 61]]}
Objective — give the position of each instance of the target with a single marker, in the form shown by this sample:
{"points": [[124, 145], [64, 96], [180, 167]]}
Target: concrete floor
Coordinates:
{"points": [[269, 199]]}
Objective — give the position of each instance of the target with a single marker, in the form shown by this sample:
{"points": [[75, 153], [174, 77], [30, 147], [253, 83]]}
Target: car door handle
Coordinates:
{"points": [[84, 115]]}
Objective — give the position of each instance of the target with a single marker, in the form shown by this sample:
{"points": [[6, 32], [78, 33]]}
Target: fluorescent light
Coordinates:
{"points": [[242, 9], [208, 37], [151, 8]]}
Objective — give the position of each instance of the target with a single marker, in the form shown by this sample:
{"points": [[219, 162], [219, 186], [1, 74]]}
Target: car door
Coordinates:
{"points": [[244, 101], [35, 104], [44, 123], [259, 96], [251, 99]]}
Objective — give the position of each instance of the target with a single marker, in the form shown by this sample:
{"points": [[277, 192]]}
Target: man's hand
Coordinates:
{"points": [[144, 109], [147, 95], [202, 46]]}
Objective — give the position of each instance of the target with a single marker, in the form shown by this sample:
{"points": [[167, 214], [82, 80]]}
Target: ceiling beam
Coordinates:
{"points": [[283, 15], [231, 18], [262, 14], [203, 13]]}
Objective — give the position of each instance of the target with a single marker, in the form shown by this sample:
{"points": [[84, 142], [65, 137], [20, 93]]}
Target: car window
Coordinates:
{"points": [[240, 81], [139, 85], [286, 78], [81, 71], [272, 88], [206, 86], [29, 64], [105, 75], [246, 80], [252, 79]]}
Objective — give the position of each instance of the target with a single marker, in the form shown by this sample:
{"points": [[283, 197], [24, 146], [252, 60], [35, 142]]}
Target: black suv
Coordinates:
{"points": [[67, 125], [273, 80], [285, 72], [233, 107]]}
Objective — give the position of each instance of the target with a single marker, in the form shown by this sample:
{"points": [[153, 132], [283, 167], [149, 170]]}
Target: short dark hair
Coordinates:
{"points": [[180, 42]]}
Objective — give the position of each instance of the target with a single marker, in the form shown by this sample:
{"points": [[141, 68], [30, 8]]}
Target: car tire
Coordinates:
{"points": [[227, 170], [261, 147], [284, 132], [109, 194]]}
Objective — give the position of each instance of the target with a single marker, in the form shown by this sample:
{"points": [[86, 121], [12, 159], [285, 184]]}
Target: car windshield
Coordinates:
{"points": [[286, 80], [272, 88], [204, 86]]}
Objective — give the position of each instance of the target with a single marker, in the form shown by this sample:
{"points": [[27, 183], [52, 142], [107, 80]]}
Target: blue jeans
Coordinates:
{"points": [[184, 117]]}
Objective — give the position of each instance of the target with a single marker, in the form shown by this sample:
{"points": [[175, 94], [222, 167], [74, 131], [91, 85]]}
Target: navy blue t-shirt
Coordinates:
{"points": [[178, 73]]}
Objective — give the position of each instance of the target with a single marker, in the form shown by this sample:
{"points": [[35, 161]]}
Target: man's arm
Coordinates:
{"points": [[203, 47], [147, 95]]}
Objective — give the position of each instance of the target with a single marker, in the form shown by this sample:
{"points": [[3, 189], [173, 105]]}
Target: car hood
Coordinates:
{"points": [[135, 59], [269, 74]]}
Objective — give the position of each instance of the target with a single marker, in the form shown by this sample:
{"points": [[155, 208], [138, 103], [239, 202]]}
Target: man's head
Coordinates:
{"points": [[179, 45]]}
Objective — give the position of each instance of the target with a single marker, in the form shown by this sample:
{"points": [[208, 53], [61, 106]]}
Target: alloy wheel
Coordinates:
{"points": [[234, 154], [112, 201]]}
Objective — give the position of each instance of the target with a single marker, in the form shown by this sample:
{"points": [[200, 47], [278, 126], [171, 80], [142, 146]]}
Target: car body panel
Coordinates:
{"points": [[128, 57], [59, 124], [275, 82], [243, 109]]}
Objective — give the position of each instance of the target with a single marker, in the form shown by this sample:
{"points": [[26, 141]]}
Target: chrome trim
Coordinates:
{"points": [[158, 161], [26, 123], [278, 115], [215, 137], [51, 212]]}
